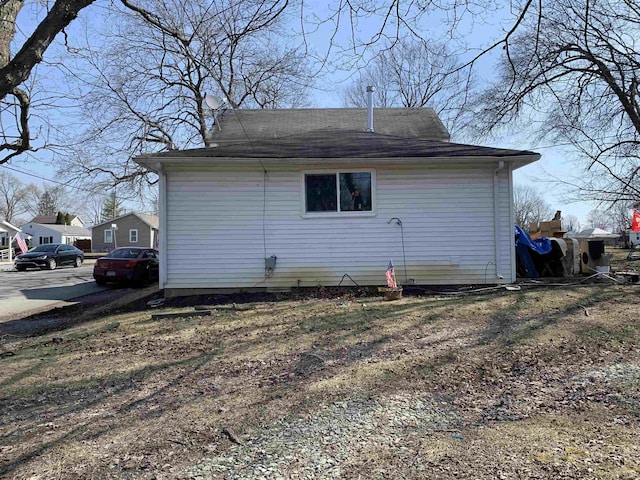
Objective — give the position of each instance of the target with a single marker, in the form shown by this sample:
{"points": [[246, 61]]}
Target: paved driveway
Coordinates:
{"points": [[34, 289]]}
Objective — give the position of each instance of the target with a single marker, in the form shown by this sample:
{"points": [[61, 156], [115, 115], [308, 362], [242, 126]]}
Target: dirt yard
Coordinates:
{"points": [[541, 382]]}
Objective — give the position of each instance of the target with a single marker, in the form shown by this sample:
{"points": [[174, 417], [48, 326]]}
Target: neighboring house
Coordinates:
{"points": [[7, 230], [51, 220], [131, 229], [7, 234], [300, 198], [50, 233]]}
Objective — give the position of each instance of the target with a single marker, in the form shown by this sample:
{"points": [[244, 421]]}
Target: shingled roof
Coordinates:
{"points": [[66, 229], [334, 144], [238, 124], [50, 219], [311, 141], [152, 220]]}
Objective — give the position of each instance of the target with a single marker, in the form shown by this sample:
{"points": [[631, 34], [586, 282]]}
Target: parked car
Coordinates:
{"points": [[49, 255], [137, 265]]}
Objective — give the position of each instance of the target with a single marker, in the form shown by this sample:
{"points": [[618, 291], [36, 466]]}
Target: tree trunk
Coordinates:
{"points": [[14, 71], [9, 10]]}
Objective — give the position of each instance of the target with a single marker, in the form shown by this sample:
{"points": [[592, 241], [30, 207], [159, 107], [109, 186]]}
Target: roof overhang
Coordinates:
{"points": [[331, 146], [156, 164], [8, 228]]}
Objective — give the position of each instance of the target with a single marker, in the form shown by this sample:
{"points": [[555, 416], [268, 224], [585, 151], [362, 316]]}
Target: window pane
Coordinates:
{"points": [[321, 193], [355, 191]]}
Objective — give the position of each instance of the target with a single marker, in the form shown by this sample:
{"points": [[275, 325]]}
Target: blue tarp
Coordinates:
{"points": [[524, 246], [540, 245]]}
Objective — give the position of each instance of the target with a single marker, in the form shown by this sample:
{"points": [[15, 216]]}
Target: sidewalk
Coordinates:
{"points": [[6, 266]]}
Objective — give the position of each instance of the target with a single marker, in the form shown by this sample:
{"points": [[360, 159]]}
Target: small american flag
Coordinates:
{"points": [[21, 243], [391, 276]]}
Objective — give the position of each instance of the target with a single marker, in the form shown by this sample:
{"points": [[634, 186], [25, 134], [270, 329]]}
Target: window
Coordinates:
{"points": [[133, 236], [125, 253], [339, 192], [45, 240], [108, 236]]}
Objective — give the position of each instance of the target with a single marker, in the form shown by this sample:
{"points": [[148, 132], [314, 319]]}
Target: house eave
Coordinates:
{"points": [[156, 164]]}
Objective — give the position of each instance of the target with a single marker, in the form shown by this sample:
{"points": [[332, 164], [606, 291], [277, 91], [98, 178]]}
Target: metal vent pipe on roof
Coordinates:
{"points": [[370, 91]]}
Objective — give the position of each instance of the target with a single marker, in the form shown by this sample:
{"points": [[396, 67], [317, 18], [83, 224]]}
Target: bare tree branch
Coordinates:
{"points": [[17, 69], [572, 71]]}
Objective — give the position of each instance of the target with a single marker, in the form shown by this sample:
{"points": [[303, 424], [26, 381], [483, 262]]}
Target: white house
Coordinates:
{"points": [[47, 233], [7, 234], [297, 198], [7, 231]]}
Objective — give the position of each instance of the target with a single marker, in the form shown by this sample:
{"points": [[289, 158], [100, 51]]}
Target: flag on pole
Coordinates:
{"points": [[391, 276], [21, 243], [635, 221]]}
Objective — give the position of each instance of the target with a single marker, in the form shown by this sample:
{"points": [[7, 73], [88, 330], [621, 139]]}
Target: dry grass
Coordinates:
{"points": [[543, 382]]}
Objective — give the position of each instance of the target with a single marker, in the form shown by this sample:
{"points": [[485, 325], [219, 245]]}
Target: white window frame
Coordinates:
{"points": [[132, 234], [108, 236], [339, 213]]}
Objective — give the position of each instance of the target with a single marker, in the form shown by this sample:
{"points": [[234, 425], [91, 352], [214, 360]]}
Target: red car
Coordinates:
{"points": [[135, 265]]}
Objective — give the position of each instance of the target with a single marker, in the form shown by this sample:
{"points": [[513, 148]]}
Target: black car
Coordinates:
{"points": [[49, 255], [137, 265]]}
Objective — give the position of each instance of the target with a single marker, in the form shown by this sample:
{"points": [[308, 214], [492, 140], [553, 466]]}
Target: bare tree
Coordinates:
{"points": [[571, 223], [13, 196], [15, 69], [148, 94], [598, 218], [413, 73], [91, 211], [529, 206], [620, 217], [571, 69], [51, 199], [219, 31]]}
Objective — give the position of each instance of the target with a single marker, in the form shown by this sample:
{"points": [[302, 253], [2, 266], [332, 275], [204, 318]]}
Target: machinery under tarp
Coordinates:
{"points": [[537, 257]]}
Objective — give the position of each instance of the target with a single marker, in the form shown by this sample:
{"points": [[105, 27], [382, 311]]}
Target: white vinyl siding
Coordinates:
{"points": [[447, 220]]}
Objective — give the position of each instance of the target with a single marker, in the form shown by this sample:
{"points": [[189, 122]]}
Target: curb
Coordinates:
{"points": [[8, 267]]}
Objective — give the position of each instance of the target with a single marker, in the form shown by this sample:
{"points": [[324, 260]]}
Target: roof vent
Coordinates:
{"points": [[370, 91]]}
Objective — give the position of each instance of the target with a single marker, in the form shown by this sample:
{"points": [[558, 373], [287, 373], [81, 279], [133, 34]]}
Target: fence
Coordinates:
{"points": [[4, 255]]}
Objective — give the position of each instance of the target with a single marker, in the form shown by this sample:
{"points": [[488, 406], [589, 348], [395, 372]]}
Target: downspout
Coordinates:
{"points": [[162, 225], [496, 212]]}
